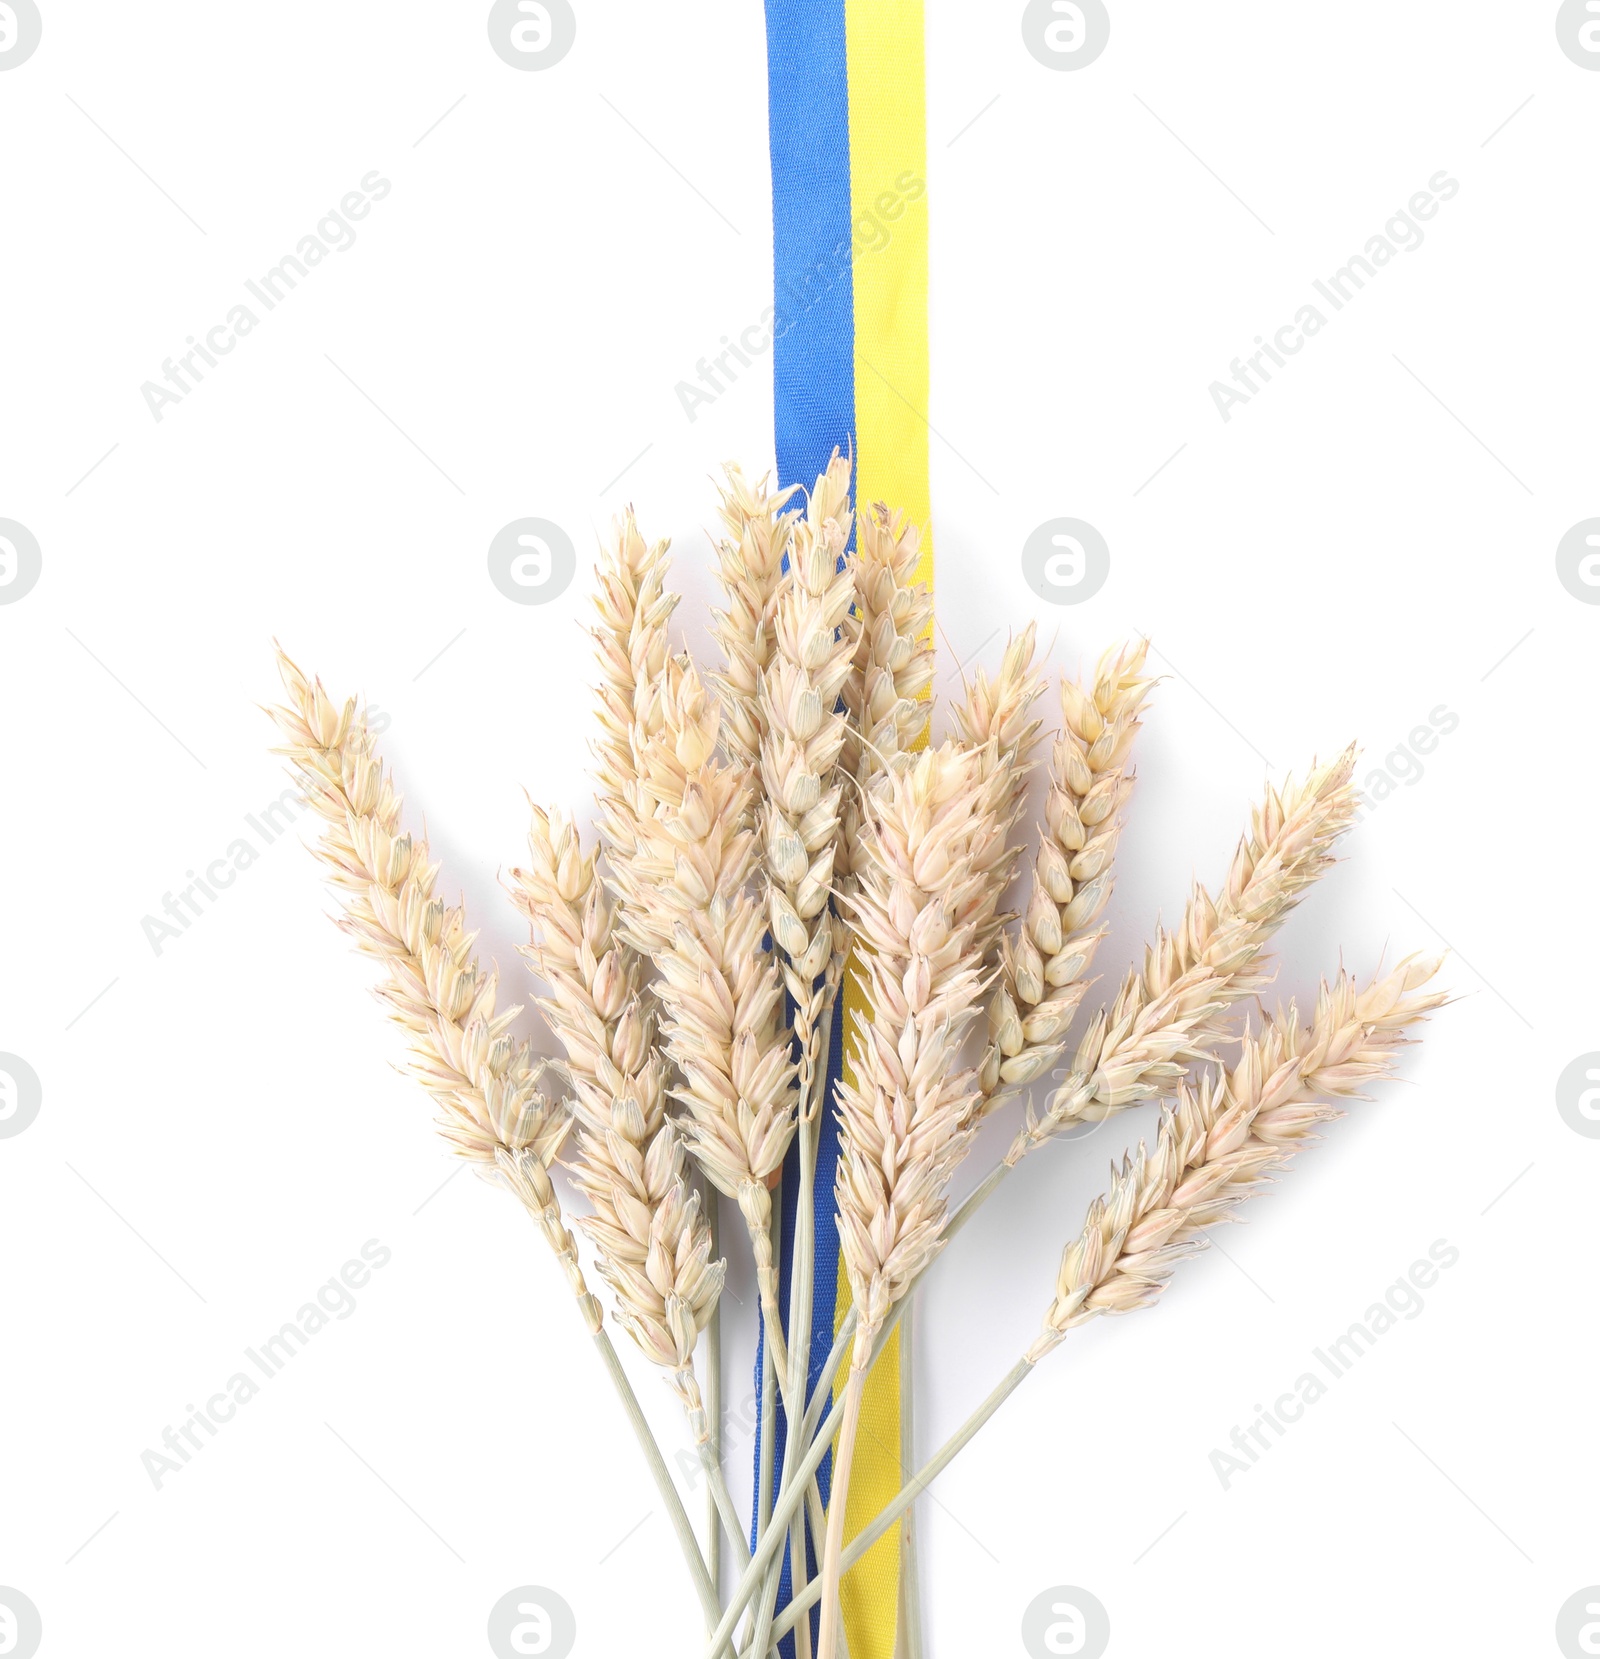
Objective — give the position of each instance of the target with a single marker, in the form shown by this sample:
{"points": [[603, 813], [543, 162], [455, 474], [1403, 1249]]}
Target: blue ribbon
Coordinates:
{"points": [[813, 373]]}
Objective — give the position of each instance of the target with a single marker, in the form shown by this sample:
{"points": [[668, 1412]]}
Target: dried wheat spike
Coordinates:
{"points": [[886, 693], [632, 608], [688, 902], [750, 562], [488, 1086], [1044, 963], [1000, 710], [1171, 1012], [1226, 1136], [653, 1243], [802, 732], [918, 916]]}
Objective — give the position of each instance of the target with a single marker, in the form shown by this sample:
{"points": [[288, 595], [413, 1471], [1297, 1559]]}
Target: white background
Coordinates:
{"points": [[222, 1126]]}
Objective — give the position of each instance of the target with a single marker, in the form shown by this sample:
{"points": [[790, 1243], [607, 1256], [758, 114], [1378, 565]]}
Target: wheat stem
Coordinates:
{"points": [[771, 1364], [726, 1511], [908, 1494], [910, 1566], [800, 1297], [686, 902], [714, 1398], [828, 1586], [676, 1513], [787, 1502]]}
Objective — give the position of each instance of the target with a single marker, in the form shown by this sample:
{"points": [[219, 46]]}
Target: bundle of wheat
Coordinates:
{"points": [[758, 825]]}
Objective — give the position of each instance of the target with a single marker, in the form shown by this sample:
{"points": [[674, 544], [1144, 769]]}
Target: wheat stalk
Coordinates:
{"points": [[688, 903], [488, 1086], [930, 836], [654, 1240], [801, 728], [1215, 1151]]}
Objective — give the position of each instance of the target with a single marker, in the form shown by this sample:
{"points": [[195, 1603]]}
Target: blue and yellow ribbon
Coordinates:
{"points": [[847, 122]]}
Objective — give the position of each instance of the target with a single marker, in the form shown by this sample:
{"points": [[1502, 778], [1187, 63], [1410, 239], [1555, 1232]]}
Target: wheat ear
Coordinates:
{"points": [[918, 917], [688, 903], [653, 1242], [1224, 1138], [1045, 962], [630, 1159], [802, 733], [995, 719], [750, 564], [1173, 1010], [919, 914], [801, 729], [488, 1086], [632, 609], [891, 671], [1002, 709]]}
